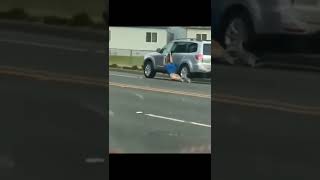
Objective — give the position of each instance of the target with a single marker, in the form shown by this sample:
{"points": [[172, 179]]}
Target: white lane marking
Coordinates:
{"points": [[139, 112], [140, 96], [111, 113], [128, 76], [178, 120], [200, 124], [45, 45], [167, 118]]}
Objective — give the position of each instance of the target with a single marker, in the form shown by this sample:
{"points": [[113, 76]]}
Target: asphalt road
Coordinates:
{"points": [[53, 53], [267, 123], [266, 120], [158, 115], [51, 129]]}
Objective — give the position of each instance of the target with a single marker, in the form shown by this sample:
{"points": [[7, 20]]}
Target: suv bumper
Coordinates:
{"points": [[201, 68]]}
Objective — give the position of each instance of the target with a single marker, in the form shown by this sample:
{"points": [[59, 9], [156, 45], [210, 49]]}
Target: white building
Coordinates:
{"points": [[139, 40], [193, 32]]}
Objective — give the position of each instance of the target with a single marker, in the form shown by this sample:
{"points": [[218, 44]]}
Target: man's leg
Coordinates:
{"points": [[185, 78], [175, 77]]}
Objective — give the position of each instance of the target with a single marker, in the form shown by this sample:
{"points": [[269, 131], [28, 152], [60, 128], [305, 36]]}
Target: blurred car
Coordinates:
{"points": [[190, 56], [273, 25]]}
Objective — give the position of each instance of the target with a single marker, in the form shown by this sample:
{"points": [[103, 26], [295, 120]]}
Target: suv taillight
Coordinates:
{"points": [[199, 57]]}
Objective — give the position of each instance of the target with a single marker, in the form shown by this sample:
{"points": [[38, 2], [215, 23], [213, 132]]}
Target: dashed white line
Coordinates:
{"points": [[140, 96], [200, 124], [111, 113], [167, 118], [177, 120]]}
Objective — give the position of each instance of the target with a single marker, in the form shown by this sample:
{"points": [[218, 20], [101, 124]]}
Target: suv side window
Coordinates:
{"points": [[179, 47], [184, 47], [192, 47]]}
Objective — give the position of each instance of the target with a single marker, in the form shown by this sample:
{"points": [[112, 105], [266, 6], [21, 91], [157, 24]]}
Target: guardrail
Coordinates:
{"points": [[127, 52]]}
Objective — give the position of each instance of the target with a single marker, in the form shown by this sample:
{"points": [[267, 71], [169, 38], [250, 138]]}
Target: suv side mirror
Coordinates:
{"points": [[158, 50]]}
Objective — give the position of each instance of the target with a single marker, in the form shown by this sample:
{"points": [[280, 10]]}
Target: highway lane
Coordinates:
{"points": [[160, 81], [52, 129], [264, 142], [53, 53], [285, 85], [145, 120], [254, 141]]}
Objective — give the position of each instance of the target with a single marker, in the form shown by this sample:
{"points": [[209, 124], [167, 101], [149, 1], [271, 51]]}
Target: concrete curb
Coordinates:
{"points": [[139, 72], [61, 31], [126, 70]]}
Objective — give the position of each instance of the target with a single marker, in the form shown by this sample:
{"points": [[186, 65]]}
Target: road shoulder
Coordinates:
{"points": [[60, 31]]}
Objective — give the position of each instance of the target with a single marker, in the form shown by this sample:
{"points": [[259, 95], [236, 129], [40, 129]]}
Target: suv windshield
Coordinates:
{"points": [[165, 49], [207, 49]]}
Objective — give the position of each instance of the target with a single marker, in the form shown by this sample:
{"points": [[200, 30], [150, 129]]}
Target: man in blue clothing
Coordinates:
{"points": [[171, 69]]}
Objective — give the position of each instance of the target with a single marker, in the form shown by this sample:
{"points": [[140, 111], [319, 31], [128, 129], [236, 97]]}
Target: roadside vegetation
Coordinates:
{"points": [[126, 62], [81, 19]]}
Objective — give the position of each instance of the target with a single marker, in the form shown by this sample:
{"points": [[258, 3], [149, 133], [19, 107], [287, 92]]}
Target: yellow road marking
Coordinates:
{"points": [[229, 99], [160, 90], [263, 101], [269, 106]]}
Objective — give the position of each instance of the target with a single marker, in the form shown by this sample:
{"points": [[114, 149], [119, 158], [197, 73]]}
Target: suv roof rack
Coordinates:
{"points": [[192, 39]]}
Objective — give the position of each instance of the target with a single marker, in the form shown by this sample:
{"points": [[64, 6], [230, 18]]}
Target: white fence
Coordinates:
{"points": [[127, 52]]}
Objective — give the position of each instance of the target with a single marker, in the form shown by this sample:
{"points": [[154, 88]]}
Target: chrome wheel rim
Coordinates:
{"points": [[184, 72], [147, 70]]}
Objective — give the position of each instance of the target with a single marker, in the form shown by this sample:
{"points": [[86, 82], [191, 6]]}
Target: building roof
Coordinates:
{"points": [[166, 27], [151, 27], [199, 27]]}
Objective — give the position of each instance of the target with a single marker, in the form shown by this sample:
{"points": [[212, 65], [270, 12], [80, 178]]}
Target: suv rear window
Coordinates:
{"points": [[192, 47], [207, 49]]}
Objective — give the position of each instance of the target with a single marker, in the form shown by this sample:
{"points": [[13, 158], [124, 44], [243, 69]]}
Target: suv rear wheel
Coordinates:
{"points": [[184, 71], [148, 69]]}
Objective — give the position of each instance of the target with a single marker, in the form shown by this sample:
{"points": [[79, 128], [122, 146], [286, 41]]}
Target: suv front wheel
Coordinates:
{"points": [[148, 69]]}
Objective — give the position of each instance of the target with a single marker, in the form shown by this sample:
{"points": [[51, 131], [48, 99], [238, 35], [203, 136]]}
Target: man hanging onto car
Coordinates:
{"points": [[171, 69]]}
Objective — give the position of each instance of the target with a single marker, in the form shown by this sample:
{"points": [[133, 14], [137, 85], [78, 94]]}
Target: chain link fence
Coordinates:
{"points": [[127, 52]]}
